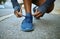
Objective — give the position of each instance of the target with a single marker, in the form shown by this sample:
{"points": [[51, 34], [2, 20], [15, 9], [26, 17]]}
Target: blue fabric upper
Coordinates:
{"points": [[27, 23]]}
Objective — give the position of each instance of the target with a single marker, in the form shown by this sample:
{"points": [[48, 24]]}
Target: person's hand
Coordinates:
{"points": [[18, 14], [37, 14]]}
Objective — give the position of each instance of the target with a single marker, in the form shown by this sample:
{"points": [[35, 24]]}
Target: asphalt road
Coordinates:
{"points": [[48, 27]]}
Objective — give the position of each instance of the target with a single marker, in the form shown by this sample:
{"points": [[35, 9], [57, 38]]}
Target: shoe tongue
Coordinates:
{"points": [[28, 17]]}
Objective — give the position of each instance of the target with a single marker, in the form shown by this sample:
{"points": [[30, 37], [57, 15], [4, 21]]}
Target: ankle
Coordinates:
{"points": [[29, 15]]}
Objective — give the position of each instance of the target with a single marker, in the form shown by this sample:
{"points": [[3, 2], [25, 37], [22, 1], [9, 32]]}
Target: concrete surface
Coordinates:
{"points": [[4, 12], [4, 17], [47, 27]]}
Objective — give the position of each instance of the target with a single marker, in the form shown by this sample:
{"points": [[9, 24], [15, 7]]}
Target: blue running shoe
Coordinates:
{"points": [[27, 24]]}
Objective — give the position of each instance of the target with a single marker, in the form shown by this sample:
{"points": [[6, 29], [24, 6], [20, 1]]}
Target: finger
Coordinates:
{"points": [[39, 15], [15, 12], [20, 14], [36, 13]]}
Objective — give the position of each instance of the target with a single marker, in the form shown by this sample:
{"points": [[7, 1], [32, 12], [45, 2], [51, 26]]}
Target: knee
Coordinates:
{"points": [[50, 8]]}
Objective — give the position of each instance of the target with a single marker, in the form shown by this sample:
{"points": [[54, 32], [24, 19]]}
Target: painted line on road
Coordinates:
{"points": [[4, 17]]}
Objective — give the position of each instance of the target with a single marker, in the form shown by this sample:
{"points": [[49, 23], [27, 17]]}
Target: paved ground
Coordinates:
{"points": [[47, 27], [5, 11]]}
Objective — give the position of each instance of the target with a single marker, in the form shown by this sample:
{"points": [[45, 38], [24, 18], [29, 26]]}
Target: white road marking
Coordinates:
{"points": [[4, 17]]}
